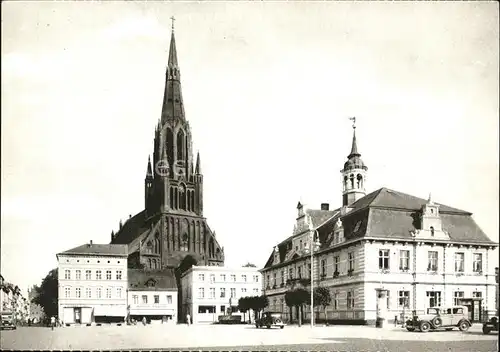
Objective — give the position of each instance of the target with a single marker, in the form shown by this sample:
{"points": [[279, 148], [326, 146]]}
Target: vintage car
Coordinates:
{"points": [[7, 320], [440, 318], [269, 320], [490, 325]]}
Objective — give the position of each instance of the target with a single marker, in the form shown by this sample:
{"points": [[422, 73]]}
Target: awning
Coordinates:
{"points": [[110, 310]]}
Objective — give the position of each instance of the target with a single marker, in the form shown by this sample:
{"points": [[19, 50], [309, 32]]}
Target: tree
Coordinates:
{"points": [[257, 304], [47, 293], [322, 298], [249, 265], [243, 306], [297, 298]]}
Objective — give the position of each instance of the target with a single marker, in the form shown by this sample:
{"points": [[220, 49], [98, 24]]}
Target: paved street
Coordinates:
{"points": [[213, 337]]}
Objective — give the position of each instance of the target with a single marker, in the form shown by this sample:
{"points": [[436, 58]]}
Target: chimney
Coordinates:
{"points": [[129, 216], [325, 206], [90, 245]]}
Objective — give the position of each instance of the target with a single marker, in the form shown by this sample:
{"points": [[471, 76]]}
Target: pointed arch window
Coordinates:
{"points": [[171, 197], [170, 148], [180, 145], [185, 242]]}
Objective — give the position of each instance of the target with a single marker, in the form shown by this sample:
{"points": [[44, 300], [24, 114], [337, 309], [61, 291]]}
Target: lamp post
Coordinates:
{"points": [[312, 245]]}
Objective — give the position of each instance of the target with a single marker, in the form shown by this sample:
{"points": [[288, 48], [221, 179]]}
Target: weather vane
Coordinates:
{"points": [[353, 119], [173, 19]]}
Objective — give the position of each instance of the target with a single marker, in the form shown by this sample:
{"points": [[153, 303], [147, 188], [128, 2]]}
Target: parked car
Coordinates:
{"points": [[435, 318], [7, 320], [270, 319], [490, 325]]}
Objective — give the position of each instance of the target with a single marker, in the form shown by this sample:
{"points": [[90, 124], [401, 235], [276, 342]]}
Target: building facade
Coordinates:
{"points": [[209, 291], [152, 296], [385, 251], [93, 284]]}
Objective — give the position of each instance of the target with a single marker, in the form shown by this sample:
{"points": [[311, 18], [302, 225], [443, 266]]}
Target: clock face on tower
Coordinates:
{"points": [[162, 168]]}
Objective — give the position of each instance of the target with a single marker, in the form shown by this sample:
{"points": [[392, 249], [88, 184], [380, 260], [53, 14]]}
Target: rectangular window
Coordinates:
{"points": [[434, 298], [108, 274], [256, 291], [222, 292], [233, 278], [67, 292], [476, 294], [98, 275], [118, 274], [404, 260], [212, 278], [88, 292], [299, 272], [268, 280], [459, 262], [201, 292], [432, 261], [67, 274], [336, 300], [388, 299], [243, 292], [108, 292], [118, 292], [212, 292], [456, 297], [351, 261], [290, 274], [78, 275], [223, 277], [201, 277], [309, 270], [233, 293], [88, 275], [283, 278], [244, 278], [98, 292], [383, 259], [477, 262], [256, 278], [350, 299], [169, 299], [78, 292], [274, 279], [135, 298], [336, 261], [144, 299], [156, 299], [403, 299]]}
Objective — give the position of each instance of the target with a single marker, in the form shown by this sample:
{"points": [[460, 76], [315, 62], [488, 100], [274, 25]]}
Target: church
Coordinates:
{"points": [[171, 232], [383, 252]]}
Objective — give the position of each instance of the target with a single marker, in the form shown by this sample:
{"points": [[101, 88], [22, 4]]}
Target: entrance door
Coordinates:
{"points": [[78, 315]]}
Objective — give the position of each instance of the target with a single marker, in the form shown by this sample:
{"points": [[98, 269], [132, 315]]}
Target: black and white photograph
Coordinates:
{"points": [[250, 175]]}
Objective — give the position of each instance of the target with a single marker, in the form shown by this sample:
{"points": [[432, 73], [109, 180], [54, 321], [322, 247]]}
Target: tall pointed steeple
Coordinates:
{"points": [[173, 106], [354, 147], [149, 172], [197, 170]]}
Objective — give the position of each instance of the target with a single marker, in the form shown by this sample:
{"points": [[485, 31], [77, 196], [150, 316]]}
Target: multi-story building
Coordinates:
{"points": [[209, 291], [386, 250], [93, 284], [152, 295]]}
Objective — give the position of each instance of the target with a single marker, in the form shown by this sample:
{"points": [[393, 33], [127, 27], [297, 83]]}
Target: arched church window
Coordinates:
{"points": [[192, 200], [176, 198], [170, 148], [180, 145], [185, 242], [346, 183], [150, 263], [352, 181]]}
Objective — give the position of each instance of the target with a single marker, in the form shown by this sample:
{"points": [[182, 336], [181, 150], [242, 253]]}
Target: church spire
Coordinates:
{"points": [[173, 106], [198, 164], [149, 172]]}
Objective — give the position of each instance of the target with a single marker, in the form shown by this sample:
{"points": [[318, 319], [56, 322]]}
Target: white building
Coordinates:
{"points": [[208, 291], [152, 295], [93, 284], [386, 252]]}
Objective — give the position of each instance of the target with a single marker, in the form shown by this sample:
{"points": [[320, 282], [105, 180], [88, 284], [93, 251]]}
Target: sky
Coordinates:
{"points": [[268, 89]]}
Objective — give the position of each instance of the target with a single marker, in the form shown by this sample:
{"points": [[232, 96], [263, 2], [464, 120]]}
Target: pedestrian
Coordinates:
{"points": [[144, 321], [52, 322], [188, 319]]}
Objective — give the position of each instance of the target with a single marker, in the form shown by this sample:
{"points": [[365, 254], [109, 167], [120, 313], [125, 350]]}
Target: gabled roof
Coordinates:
{"points": [[387, 198], [131, 229], [141, 280], [98, 249]]}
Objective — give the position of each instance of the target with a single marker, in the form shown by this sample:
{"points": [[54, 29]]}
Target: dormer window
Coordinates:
{"points": [[432, 230]]}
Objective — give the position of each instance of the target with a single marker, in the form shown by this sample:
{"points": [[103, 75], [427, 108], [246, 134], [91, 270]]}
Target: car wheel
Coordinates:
{"points": [[437, 322], [486, 330], [463, 326], [425, 326], [410, 329]]}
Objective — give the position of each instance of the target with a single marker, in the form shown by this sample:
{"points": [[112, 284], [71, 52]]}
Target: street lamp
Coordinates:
{"points": [[312, 246]]}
